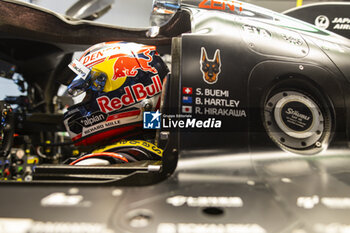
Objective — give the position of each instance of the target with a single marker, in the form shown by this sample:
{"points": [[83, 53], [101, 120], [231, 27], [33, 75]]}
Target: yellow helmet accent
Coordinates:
{"points": [[107, 67]]}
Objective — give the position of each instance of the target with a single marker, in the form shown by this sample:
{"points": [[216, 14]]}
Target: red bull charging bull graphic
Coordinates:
{"points": [[129, 66]]}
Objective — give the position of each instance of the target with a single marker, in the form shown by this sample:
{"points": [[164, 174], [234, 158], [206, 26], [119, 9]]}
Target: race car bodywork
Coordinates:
{"points": [[332, 16], [254, 127]]}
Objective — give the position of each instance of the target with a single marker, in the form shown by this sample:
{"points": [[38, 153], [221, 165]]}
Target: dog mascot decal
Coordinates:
{"points": [[210, 68]]}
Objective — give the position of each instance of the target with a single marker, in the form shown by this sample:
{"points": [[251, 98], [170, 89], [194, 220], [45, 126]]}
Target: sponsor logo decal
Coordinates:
{"points": [[292, 39], [114, 120], [338, 23], [94, 58], [322, 21], [341, 23], [290, 111], [221, 5], [210, 68], [256, 31], [297, 116], [93, 119], [129, 66], [133, 94], [78, 68], [134, 143]]}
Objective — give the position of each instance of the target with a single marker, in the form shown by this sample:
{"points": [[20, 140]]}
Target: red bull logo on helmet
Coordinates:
{"points": [[133, 94], [129, 66]]}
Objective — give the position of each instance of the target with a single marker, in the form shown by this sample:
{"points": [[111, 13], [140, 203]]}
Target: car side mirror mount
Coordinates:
{"points": [[89, 9]]}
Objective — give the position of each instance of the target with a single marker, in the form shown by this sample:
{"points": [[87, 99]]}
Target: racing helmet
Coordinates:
{"points": [[121, 80]]}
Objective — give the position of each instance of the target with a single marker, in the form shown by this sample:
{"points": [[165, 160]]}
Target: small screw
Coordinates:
{"points": [[251, 182], [318, 144], [140, 220], [164, 135], [301, 67], [28, 178], [73, 191], [286, 180], [117, 192]]}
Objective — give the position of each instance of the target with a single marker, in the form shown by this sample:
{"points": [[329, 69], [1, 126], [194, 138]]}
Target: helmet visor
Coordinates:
{"points": [[78, 86], [86, 79]]}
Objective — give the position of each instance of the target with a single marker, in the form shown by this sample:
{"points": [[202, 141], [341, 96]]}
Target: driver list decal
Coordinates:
{"points": [[211, 100]]}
